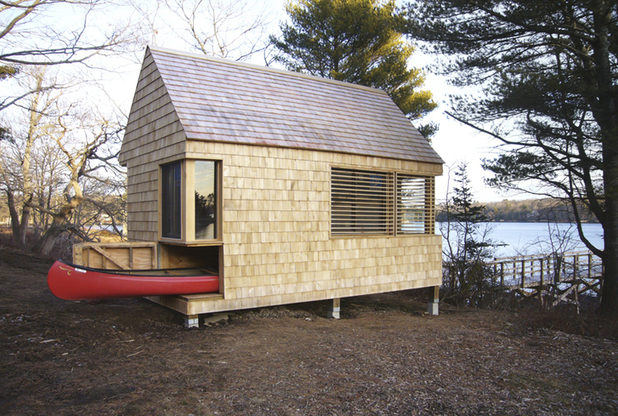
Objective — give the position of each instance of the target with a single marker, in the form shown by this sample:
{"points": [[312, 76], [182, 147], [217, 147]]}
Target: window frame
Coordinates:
{"points": [[393, 218], [187, 205], [426, 200]]}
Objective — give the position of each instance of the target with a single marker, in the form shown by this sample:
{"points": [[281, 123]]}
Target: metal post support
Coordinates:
{"points": [[433, 306], [335, 311], [192, 321]]}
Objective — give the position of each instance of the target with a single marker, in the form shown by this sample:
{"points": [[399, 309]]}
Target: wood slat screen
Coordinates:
{"points": [[361, 202], [430, 205], [414, 204]]}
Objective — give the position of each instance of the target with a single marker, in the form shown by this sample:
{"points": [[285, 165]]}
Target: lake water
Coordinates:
{"points": [[522, 238]]}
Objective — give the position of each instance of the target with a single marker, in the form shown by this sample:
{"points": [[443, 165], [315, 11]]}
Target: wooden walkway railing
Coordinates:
{"points": [[561, 275]]}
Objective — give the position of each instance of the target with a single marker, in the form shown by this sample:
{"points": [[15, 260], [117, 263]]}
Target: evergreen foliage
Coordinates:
{"points": [[355, 41], [467, 278], [7, 71], [548, 71]]}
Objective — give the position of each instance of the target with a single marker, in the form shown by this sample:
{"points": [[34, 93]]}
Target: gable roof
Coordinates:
{"points": [[227, 101]]}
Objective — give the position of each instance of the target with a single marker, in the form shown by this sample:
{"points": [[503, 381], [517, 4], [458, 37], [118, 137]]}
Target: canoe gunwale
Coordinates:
{"points": [[197, 271]]}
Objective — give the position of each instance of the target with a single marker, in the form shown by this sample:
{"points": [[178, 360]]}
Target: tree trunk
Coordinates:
{"points": [[48, 241], [604, 110], [19, 228], [23, 226], [14, 216], [609, 293], [59, 222]]}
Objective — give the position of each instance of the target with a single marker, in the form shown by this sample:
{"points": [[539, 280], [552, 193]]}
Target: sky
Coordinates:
{"points": [[454, 142]]}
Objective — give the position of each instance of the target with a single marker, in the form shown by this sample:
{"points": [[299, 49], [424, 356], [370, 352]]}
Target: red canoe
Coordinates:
{"points": [[71, 282]]}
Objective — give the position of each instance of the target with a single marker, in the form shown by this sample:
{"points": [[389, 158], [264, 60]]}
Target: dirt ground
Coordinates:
{"points": [[384, 357]]}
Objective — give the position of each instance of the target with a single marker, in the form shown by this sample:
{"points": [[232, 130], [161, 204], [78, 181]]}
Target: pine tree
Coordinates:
{"points": [[355, 41], [467, 245], [548, 70]]}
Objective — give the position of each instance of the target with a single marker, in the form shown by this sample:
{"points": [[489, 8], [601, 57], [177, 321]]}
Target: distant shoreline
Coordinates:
{"points": [[533, 221], [529, 210]]}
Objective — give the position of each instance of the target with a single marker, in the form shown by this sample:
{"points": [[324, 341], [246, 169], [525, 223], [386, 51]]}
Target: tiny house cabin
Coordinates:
{"points": [[295, 188]]}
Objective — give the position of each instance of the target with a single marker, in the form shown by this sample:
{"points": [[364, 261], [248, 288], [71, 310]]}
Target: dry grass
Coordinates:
{"points": [[385, 357], [567, 318]]}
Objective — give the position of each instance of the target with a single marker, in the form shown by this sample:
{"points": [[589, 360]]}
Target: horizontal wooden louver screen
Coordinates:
{"points": [[412, 204], [361, 202]]}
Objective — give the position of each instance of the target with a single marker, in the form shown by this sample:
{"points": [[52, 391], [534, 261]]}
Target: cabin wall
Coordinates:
{"points": [[277, 244], [153, 136]]}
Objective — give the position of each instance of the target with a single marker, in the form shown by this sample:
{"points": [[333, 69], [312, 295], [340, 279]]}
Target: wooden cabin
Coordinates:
{"points": [[295, 188]]}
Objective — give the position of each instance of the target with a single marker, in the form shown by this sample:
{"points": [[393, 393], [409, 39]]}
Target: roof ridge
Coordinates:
{"points": [[265, 69]]}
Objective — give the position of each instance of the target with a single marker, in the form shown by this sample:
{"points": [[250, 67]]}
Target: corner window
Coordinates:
{"points": [[171, 200], [190, 206], [382, 203]]}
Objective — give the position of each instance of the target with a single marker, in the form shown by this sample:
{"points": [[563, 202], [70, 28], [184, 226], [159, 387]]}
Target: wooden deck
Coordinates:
{"points": [[557, 278]]}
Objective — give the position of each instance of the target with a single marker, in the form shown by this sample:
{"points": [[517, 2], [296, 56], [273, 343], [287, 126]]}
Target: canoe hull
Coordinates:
{"points": [[75, 283]]}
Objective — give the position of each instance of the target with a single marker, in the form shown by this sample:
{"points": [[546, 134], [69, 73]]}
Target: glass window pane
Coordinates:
{"points": [[170, 204], [205, 200], [411, 204]]}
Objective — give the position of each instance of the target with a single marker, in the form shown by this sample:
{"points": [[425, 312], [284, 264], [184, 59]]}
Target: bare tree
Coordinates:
{"points": [[52, 32], [16, 156], [220, 28], [89, 146], [47, 171], [28, 41], [43, 167], [46, 153], [103, 212]]}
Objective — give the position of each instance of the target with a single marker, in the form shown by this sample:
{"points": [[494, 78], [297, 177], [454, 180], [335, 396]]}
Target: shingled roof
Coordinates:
{"points": [[226, 101]]}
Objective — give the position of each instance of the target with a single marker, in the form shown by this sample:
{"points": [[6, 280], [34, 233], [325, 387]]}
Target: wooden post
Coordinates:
{"points": [[433, 306], [541, 278], [576, 295], [395, 203], [335, 311]]}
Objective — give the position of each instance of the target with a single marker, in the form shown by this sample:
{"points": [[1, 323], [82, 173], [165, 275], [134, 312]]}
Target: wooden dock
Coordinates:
{"points": [[552, 278]]}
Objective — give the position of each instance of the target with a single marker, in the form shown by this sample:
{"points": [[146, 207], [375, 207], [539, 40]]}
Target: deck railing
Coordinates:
{"points": [[531, 271], [553, 278]]}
